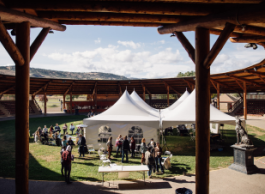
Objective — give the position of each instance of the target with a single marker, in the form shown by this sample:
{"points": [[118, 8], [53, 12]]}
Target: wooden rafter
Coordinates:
{"points": [[146, 89], [172, 88], [259, 75], [248, 39], [186, 44], [70, 87], [133, 24], [15, 16], [38, 41], [253, 14], [10, 46], [42, 88], [219, 44], [5, 91], [94, 90], [218, 32], [245, 80], [213, 84], [189, 84]]}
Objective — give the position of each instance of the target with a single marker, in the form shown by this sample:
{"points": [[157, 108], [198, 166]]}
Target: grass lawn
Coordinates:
{"points": [[44, 160]]}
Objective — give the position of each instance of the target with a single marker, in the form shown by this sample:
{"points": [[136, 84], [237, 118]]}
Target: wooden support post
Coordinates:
{"points": [[218, 96], [71, 99], [45, 103], [22, 110], [96, 100], [150, 99], [143, 93], [245, 101], [38, 41], [167, 95], [64, 102], [202, 47], [32, 97]]}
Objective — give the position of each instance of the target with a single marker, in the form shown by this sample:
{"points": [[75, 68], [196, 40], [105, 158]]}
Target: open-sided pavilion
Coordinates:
{"points": [[239, 20]]}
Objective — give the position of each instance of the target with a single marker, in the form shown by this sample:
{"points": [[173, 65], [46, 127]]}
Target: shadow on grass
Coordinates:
{"points": [[176, 180], [140, 185]]}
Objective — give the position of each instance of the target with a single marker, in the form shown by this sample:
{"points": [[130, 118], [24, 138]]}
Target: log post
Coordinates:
{"points": [[218, 96], [96, 100], [64, 102], [202, 44], [167, 95], [45, 103], [245, 101], [150, 99], [143, 93], [22, 110], [71, 99]]}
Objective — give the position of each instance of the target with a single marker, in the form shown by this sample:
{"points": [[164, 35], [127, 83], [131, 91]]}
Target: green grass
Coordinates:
{"points": [[44, 160]]}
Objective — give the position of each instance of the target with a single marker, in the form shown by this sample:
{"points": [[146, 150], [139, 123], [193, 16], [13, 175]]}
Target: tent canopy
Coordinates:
{"points": [[185, 113], [125, 111]]}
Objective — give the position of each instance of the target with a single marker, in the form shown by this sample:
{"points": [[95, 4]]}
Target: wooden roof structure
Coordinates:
{"points": [[230, 82]]}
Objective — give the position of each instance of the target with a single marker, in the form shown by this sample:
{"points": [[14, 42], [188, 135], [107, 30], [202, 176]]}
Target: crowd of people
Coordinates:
{"points": [[150, 153]]}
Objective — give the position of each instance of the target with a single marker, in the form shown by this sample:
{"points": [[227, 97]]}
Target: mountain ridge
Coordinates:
{"points": [[46, 73]]}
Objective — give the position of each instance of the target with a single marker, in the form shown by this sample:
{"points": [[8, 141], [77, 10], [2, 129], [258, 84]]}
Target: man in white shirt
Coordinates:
{"points": [[45, 130], [72, 128]]}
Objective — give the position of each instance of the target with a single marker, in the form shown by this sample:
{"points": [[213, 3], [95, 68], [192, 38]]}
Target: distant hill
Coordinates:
{"points": [[44, 73]]}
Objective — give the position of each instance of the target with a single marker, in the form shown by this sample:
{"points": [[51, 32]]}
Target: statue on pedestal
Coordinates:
{"points": [[241, 134]]}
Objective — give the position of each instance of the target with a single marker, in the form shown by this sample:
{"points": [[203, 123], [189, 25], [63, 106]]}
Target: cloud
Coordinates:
{"points": [[162, 41], [97, 41], [130, 44], [127, 62]]}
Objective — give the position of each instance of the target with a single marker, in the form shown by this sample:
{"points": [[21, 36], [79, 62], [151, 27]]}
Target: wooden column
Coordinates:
{"points": [[71, 99], [167, 95], [144, 93], [64, 102], [150, 99], [96, 100], [22, 110], [202, 43], [218, 96], [45, 103], [245, 101]]}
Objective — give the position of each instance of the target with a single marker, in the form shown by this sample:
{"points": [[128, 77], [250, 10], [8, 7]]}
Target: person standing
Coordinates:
{"points": [[57, 128], [149, 160], [64, 128], [118, 144], [81, 143], [158, 159], [72, 128], [125, 148], [62, 164], [70, 143], [67, 159], [109, 147], [143, 150], [64, 141], [132, 147]]}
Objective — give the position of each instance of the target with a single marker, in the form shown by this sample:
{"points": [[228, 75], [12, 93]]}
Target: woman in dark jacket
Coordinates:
{"points": [[125, 148], [132, 147]]}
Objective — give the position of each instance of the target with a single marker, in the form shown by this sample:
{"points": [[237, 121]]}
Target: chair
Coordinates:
{"points": [[90, 148]]}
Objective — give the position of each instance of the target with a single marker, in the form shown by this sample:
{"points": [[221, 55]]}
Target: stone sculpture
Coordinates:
{"points": [[242, 135]]}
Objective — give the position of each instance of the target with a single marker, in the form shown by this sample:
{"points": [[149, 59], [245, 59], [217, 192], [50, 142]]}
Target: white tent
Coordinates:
{"points": [[175, 104], [125, 117], [185, 114], [143, 104]]}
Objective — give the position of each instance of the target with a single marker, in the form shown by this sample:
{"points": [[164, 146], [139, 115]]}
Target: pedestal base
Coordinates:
{"points": [[243, 160]]}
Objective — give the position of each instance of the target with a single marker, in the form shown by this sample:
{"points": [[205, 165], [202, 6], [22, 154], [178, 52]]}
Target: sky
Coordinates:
{"points": [[128, 51]]}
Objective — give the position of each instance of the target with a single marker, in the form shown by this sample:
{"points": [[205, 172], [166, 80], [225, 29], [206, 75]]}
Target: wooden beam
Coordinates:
{"points": [[5, 91], [245, 100], [202, 47], [133, 24], [179, 94], [15, 16], [95, 89], [213, 84], [38, 41], [190, 85], [249, 15], [248, 39], [161, 8], [218, 96], [10, 46], [245, 80], [259, 74], [143, 93], [69, 88], [219, 44], [120, 91], [218, 32], [111, 17], [42, 88], [146, 89], [186, 44], [22, 110]]}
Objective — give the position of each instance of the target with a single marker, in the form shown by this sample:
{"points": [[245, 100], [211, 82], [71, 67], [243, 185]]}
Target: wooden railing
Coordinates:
{"points": [[235, 105]]}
